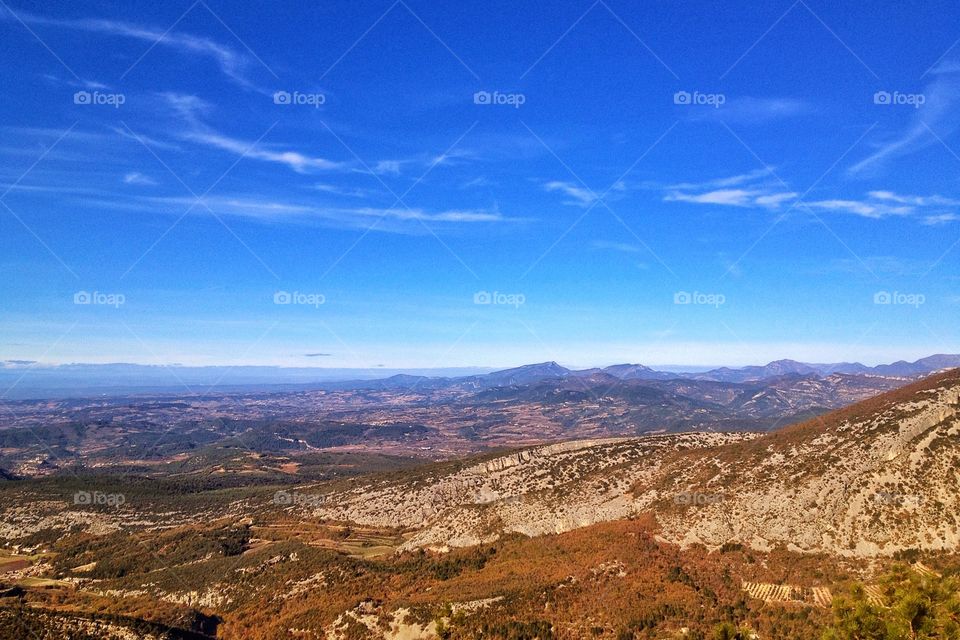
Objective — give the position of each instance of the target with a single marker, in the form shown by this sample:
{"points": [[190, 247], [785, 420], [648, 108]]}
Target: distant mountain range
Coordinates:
{"points": [[24, 379], [533, 373], [410, 414], [901, 368]]}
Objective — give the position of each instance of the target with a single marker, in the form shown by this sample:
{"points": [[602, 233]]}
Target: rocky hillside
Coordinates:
{"points": [[547, 489], [872, 479], [878, 477]]}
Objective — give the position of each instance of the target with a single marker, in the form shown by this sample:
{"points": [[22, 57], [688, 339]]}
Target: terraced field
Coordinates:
{"points": [[787, 593]]}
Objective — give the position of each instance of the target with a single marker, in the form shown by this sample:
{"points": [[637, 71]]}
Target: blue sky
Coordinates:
{"points": [[415, 184]]}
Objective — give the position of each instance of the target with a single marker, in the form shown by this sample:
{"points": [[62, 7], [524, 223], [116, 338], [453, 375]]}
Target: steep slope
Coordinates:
{"points": [[880, 476], [547, 489]]}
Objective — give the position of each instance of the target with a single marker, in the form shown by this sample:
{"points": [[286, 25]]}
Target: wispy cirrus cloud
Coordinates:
{"points": [[885, 204], [750, 110], [916, 201], [940, 219], [387, 167], [934, 121], [396, 167], [82, 83], [752, 189], [267, 209], [299, 162], [579, 196], [734, 197], [863, 208], [755, 190], [233, 63], [137, 178], [351, 192], [719, 183], [192, 110]]}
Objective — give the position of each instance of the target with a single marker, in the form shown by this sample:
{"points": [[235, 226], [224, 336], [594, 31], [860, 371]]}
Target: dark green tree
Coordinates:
{"points": [[915, 607]]}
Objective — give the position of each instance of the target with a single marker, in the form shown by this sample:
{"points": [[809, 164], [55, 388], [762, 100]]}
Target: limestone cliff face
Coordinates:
{"points": [[547, 489], [868, 485]]}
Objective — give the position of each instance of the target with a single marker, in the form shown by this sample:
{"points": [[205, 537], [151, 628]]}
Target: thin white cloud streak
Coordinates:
{"points": [[396, 220], [581, 197], [885, 204], [935, 120], [752, 111], [865, 209], [295, 160], [940, 219], [774, 200], [917, 201], [232, 63], [720, 183], [750, 190], [191, 109], [137, 178], [734, 197], [351, 192]]}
